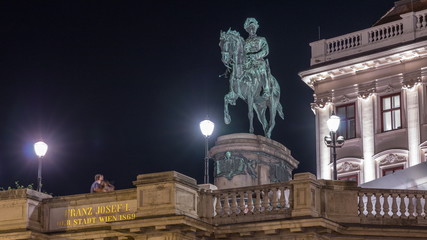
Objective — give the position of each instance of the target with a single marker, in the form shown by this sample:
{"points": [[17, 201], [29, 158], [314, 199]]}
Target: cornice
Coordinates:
{"points": [[379, 60]]}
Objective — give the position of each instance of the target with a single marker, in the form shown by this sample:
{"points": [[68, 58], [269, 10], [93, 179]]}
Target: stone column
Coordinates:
{"points": [[413, 116], [368, 140]]}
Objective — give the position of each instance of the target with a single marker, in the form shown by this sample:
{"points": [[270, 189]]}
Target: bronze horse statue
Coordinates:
{"points": [[243, 86]]}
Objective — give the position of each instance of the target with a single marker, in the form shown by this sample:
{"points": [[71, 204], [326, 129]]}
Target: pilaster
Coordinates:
{"points": [[324, 155], [413, 118], [367, 132]]}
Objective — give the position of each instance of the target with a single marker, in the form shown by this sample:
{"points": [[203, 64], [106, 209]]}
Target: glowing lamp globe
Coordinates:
{"points": [[333, 123], [207, 127], [40, 148]]}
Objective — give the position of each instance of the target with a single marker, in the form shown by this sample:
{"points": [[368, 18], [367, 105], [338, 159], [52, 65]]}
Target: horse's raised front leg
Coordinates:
{"points": [[229, 98], [251, 114]]}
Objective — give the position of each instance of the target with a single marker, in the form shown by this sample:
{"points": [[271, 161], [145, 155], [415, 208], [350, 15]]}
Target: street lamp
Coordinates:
{"points": [[207, 128], [332, 140], [40, 148]]}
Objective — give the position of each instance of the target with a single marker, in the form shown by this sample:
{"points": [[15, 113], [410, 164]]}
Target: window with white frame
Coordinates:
{"points": [[391, 112]]}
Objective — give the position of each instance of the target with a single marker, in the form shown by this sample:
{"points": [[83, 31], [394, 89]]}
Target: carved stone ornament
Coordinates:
{"points": [[392, 158], [348, 167], [389, 89], [320, 103], [409, 84], [364, 94], [345, 99], [232, 165]]}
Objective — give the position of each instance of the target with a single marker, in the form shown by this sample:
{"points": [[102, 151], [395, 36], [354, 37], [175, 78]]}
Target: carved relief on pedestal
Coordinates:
{"points": [[348, 167], [392, 158]]}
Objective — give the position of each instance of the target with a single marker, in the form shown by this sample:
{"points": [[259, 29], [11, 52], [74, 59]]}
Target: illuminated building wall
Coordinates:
{"points": [[375, 80]]}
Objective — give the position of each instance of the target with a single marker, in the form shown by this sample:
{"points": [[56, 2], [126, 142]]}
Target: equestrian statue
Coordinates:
{"points": [[250, 76]]}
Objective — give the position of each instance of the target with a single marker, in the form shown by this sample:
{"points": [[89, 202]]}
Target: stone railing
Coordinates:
{"points": [[339, 201], [412, 25], [396, 204], [239, 204]]}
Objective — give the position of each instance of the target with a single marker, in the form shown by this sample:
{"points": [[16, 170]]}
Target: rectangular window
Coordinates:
{"points": [[347, 114], [391, 112], [392, 170], [349, 178]]}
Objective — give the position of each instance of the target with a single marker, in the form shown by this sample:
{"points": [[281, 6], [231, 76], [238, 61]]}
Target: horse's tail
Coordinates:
{"points": [[280, 110]]}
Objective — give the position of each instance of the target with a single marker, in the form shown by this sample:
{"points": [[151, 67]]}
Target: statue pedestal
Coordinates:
{"points": [[245, 159]]}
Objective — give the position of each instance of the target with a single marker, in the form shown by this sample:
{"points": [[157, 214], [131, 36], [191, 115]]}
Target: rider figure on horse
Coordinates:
{"points": [[256, 48]]}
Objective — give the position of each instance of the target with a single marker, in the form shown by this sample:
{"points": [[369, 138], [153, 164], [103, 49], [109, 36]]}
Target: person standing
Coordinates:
{"points": [[96, 186]]}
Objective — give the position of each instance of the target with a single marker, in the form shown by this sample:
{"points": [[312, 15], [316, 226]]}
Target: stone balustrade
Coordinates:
{"points": [[337, 200], [396, 204], [247, 203], [172, 203], [413, 25]]}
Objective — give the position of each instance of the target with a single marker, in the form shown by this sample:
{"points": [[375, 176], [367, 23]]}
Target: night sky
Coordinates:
{"points": [[119, 87]]}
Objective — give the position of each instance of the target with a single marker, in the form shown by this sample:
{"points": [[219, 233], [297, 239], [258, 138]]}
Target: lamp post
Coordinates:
{"points": [[40, 148], [207, 128], [333, 141]]}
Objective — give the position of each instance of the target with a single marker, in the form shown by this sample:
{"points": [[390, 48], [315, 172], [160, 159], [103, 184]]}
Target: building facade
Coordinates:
{"points": [[375, 81]]}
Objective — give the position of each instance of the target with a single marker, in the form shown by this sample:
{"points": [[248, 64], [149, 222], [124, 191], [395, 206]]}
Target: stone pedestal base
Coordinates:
{"points": [[245, 159]]}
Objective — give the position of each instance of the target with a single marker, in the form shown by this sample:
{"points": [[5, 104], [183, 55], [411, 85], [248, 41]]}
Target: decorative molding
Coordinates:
{"points": [[392, 158], [347, 167], [364, 94], [345, 99], [320, 103], [390, 89], [411, 82]]}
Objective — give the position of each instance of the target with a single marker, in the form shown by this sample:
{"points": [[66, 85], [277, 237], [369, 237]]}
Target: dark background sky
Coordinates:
{"points": [[119, 87]]}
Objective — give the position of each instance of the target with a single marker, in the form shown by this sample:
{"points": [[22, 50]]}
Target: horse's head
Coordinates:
{"points": [[229, 42]]}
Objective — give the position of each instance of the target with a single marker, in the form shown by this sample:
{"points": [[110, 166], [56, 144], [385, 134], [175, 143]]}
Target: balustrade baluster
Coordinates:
{"points": [[264, 198], [370, 36], [411, 210], [361, 204], [386, 207], [425, 206], [394, 205], [418, 206], [226, 205], [282, 198], [402, 207], [369, 205], [250, 202], [377, 204], [257, 201], [422, 20], [242, 204], [275, 202], [218, 207], [234, 208], [419, 20]]}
